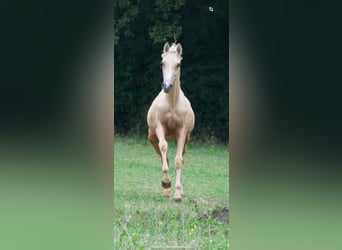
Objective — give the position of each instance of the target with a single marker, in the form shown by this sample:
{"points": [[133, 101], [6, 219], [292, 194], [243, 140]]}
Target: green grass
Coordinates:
{"points": [[143, 219]]}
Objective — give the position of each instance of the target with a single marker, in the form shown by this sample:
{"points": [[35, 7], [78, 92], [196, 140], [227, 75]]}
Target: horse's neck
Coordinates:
{"points": [[173, 96]]}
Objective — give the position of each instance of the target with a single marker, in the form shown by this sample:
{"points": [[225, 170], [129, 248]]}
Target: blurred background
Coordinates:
{"points": [[56, 129]]}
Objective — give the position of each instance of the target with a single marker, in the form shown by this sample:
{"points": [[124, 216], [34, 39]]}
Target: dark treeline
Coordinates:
{"points": [[140, 30]]}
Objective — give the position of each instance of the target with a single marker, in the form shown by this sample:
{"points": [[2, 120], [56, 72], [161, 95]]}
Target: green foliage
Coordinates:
{"points": [[166, 21], [126, 13], [169, 5], [141, 28], [160, 32]]}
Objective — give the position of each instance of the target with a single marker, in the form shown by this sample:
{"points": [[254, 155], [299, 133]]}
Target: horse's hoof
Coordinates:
{"points": [[166, 185], [178, 200]]}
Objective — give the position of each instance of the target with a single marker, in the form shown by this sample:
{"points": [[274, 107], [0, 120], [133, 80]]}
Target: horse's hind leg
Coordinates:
{"points": [[162, 145], [152, 137]]}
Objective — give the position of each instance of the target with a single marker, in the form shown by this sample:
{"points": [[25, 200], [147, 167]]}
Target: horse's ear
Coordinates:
{"points": [[166, 47], [179, 49]]}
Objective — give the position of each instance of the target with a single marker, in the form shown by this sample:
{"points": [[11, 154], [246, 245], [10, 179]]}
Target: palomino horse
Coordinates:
{"points": [[170, 118]]}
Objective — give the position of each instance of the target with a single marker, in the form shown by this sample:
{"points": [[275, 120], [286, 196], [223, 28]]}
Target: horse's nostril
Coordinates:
{"points": [[166, 87]]}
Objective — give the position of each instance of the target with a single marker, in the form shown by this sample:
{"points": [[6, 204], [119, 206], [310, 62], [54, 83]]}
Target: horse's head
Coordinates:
{"points": [[171, 61]]}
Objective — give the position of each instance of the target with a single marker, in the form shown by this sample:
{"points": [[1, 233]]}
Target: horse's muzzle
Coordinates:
{"points": [[166, 87]]}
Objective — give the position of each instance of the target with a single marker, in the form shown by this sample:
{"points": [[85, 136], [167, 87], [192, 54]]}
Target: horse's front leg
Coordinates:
{"points": [[166, 182], [179, 162]]}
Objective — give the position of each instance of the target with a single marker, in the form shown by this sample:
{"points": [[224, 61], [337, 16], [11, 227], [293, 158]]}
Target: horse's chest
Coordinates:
{"points": [[172, 120]]}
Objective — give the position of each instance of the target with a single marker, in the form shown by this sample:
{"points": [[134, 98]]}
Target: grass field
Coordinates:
{"points": [[143, 219]]}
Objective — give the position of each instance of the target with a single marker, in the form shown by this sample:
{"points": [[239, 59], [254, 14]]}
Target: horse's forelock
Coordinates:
{"points": [[172, 49]]}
